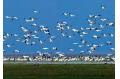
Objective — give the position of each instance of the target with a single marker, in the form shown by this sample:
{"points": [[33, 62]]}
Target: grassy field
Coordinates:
{"points": [[78, 71]]}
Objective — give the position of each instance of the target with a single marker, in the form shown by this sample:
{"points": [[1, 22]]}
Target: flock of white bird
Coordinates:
{"points": [[95, 29]]}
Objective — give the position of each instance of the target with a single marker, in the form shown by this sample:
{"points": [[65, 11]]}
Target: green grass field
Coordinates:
{"points": [[67, 71]]}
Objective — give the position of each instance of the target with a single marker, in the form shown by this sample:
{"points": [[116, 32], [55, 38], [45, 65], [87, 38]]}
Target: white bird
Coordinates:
{"points": [[81, 28], [82, 51], [45, 30], [80, 46], [66, 14], [88, 45], [8, 45], [24, 29], [111, 35], [33, 43], [97, 16], [103, 19], [84, 33], [101, 45], [7, 35], [34, 24], [63, 35], [96, 36], [33, 35], [11, 17], [61, 55], [98, 30], [75, 43], [41, 42], [84, 41], [101, 26], [53, 37], [90, 16], [93, 48], [4, 51], [8, 17], [35, 11], [69, 14], [72, 15], [102, 7], [69, 36], [64, 22], [18, 40], [108, 43], [27, 39], [16, 51], [62, 25], [104, 35], [27, 35], [16, 18], [35, 31], [15, 35], [113, 49], [90, 28], [74, 30], [90, 51], [38, 52], [36, 37], [26, 42], [4, 36], [30, 20], [45, 48], [50, 40], [81, 35], [54, 48], [68, 27], [91, 21], [110, 24], [71, 50]]}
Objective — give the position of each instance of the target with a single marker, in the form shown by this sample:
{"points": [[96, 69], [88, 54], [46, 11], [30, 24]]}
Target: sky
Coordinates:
{"points": [[51, 12]]}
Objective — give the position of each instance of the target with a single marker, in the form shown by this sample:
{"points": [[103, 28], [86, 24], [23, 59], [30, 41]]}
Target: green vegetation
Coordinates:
{"points": [[66, 71]]}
